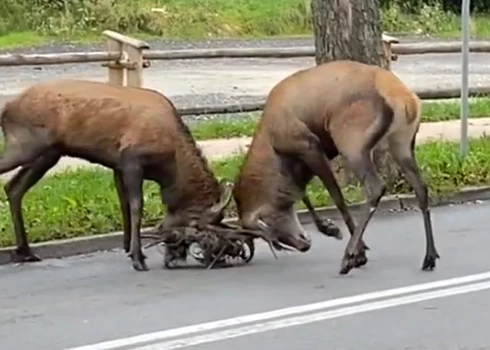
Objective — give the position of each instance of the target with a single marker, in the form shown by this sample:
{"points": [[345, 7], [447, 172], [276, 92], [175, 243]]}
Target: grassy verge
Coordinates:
{"points": [[246, 123], [13, 40], [84, 202], [83, 20]]}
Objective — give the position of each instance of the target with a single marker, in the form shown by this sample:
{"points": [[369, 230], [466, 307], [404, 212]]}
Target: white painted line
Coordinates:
{"points": [[314, 317], [265, 316]]}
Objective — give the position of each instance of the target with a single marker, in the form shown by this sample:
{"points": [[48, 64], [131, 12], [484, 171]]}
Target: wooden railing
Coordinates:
{"points": [[126, 58]]}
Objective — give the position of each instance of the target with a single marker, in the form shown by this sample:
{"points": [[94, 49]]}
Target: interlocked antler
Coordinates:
{"points": [[173, 236], [178, 235], [264, 233]]}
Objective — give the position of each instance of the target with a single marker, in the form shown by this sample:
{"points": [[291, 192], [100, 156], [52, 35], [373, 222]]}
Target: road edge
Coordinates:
{"points": [[111, 241]]}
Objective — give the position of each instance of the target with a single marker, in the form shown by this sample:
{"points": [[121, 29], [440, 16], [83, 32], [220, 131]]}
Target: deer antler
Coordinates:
{"points": [[226, 188], [176, 235], [266, 228], [263, 234]]}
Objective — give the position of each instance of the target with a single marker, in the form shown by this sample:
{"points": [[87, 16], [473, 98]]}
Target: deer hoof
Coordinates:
{"points": [[169, 265], [328, 228], [361, 260], [429, 263], [354, 260], [174, 257], [25, 256], [174, 262], [139, 263], [346, 266], [365, 246]]}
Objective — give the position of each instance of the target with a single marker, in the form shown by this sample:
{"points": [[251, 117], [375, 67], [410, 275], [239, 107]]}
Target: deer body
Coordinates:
{"points": [[310, 117], [135, 132]]}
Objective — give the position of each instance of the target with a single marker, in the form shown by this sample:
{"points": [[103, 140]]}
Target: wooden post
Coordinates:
{"points": [[135, 73], [387, 50], [116, 74], [130, 63]]}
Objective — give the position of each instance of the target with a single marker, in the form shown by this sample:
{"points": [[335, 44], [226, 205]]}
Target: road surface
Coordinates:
{"points": [[221, 81], [99, 299]]}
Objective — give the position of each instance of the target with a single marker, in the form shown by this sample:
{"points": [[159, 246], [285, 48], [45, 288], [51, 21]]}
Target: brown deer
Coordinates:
{"points": [[133, 131], [310, 117]]}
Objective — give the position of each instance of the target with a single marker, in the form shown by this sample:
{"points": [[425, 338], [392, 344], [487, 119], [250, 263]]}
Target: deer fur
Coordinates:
{"points": [[133, 131], [312, 116]]}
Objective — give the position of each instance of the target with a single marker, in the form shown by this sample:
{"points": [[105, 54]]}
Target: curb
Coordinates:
{"points": [[110, 241]]}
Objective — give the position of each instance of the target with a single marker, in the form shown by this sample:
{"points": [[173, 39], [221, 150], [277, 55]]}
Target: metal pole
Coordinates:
{"points": [[465, 18]]}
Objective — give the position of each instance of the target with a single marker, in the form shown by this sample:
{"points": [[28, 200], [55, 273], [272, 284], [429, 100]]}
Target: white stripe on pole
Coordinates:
{"points": [[465, 18]]}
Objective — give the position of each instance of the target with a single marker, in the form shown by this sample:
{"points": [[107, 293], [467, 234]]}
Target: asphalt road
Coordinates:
{"points": [[222, 81], [61, 304]]}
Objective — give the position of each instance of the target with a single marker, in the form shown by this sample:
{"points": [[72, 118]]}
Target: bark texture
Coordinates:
{"points": [[349, 29]]}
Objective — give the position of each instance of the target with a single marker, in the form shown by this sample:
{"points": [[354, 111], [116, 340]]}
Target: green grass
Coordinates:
{"points": [[84, 202], [450, 110], [246, 123], [480, 28], [432, 20], [20, 39], [243, 125], [84, 20]]}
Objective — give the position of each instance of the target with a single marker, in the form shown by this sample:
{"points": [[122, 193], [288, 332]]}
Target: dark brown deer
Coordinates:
{"points": [[312, 116], [135, 132]]}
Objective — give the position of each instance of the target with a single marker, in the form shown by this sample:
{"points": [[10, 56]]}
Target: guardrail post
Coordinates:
{"points": [[135, 73], [130, 64], [116, 72], [387, 49]]}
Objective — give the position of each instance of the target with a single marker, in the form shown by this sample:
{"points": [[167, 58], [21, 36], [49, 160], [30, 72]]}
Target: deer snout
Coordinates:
{"points": [[305, 242], [290, 232], [300, 241]]}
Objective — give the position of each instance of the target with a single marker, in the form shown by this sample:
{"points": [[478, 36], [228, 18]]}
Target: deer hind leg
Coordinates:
{"points": [[361, 127], [132, 178], [16, 188], [374, 189], [124, 206], [402, 148]]}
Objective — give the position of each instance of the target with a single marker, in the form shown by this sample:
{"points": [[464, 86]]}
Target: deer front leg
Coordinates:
{"points": [[326, 226], [317, 161], [374, 189], [124, 206]]}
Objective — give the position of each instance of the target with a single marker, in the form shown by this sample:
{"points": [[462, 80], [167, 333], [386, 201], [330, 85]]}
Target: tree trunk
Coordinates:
{"points": [[349, 29]]}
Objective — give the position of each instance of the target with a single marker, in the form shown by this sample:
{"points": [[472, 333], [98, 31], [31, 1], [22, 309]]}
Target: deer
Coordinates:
{"points": [[340, 108], [135, 132]]}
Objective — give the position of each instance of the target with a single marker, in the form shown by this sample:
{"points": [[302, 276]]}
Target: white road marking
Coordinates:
{"points": [[290, 311], [313, 317]]}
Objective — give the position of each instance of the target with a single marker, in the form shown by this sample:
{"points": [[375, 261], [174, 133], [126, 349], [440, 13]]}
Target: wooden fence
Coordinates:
{"points": [[126, 58]]}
